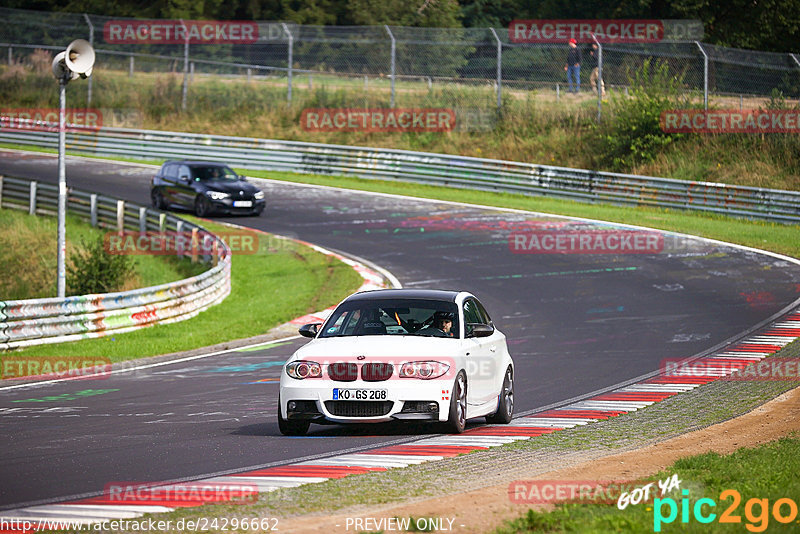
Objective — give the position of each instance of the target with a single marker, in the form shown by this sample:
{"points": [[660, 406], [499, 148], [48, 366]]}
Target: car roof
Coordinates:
{"points": [[426, 294], [192, 162]]}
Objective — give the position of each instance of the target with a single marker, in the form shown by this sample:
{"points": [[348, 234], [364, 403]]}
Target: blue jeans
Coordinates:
{"points": [[574, 72]]}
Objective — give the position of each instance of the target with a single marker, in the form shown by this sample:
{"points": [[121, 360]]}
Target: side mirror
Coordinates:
{"points": [[184, 179], [479, 330], [309, 330]]}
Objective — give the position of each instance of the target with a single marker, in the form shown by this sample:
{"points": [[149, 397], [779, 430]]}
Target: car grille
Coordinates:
{"points": [[376, 372], [358, 408], [343, 372]]}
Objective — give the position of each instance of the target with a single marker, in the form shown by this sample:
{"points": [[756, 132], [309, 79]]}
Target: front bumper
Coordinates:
{"points": [[226, 205], [406, 399]]}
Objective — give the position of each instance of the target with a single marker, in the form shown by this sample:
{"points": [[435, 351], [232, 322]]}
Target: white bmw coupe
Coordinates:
{"points": [[399, 354]]}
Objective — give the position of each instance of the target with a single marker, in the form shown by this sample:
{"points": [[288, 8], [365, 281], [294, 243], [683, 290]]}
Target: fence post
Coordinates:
{"points": [[191, 71], [393, 62], [249, 74], [32, 199], [91, 42], [499, 69], [10, 55], [794, 57], [93, 209], [290, 60], [558, 92], [185, 90], [599, 82], [120, 216], [130, 67], [705, 75]]}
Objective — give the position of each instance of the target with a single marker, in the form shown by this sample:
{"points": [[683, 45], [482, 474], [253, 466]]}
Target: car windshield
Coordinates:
{"points": [[213, 172], [393, 317]]}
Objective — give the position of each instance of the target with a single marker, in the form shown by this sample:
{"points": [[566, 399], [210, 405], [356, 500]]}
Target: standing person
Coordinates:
{"points": [[573, 66], [593, 58]]}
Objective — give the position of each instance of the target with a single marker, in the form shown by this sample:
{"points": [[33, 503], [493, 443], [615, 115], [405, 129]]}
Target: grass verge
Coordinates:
{"points": [[283, 280], [28, 257]]}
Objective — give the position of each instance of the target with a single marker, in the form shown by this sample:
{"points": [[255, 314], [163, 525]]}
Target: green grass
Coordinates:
{"points": [[766, 472], [280, 282], [28, 257]]}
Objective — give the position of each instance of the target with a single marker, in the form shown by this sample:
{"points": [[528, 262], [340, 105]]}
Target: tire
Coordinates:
{"points": [[157, 198], [457, 419], [505, 402], [291, 428], [201, 206]]}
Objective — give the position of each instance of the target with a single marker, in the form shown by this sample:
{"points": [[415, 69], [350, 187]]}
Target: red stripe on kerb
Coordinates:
{"points": [[645, 396], [582, 414]]}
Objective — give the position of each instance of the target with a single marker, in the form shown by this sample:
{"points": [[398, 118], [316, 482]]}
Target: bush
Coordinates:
{"points": [[93, 270], [633, 134]]}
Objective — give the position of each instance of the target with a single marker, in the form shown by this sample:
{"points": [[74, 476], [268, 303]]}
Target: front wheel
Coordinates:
{"points": [[201, 206], [291, 428], [505, 401], [457, 420]]}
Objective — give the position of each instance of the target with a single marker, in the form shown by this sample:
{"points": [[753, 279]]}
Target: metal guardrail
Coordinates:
{"points": [[54, 320], [427, 168]]}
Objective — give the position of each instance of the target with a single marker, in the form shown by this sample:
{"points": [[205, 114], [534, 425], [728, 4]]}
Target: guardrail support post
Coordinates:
{"points": [[289, 60], [499, 69], [1, 191], [93, 209], [705, 75], [142, 220], [393, 61], [32, 199], [179, 238], [162, 222], [120, 216], [194, 245]]}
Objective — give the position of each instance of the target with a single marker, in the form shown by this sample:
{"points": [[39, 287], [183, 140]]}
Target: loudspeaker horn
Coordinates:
{"points": [[79, 57]]}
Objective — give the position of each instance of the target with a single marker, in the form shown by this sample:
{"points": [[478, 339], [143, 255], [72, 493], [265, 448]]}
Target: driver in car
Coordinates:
{"points": [[442, 325]]}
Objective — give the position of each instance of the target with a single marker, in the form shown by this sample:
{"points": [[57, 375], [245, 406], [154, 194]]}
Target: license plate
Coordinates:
{"points": [[359, 394], [242, 203]]}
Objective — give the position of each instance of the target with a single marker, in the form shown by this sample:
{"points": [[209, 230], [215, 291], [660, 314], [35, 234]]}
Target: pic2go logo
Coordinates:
{"points": [[756, 511]]}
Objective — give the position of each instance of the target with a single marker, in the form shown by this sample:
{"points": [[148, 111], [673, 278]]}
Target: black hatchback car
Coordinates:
{"points": [[206, 188]]}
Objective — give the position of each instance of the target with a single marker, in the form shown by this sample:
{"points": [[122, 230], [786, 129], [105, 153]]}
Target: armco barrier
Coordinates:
{"points": [[54, 320], [438, 169]]}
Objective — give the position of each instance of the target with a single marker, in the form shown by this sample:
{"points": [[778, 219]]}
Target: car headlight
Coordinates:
{"points": [[302, 369], [259, 195], [424, 370], [217, 195]]}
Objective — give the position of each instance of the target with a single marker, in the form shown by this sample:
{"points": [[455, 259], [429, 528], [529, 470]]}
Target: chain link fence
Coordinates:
{"points": [[392, 66]]}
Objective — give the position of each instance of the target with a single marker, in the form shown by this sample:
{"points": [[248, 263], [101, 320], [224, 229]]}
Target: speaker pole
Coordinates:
{"points": [[62, 187]]}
